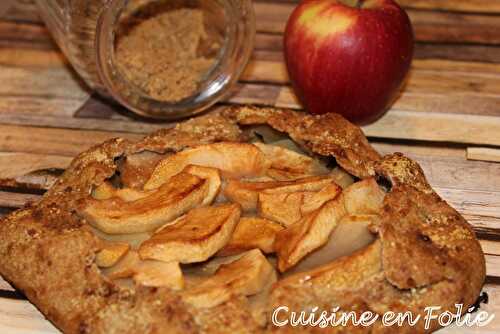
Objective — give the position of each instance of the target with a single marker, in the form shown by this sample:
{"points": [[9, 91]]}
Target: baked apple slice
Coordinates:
{"points": [[246, 276], [116, 216], [288, 208], [147, 273], [234, 160], [308, 234], [289, 165], [247, 193], [313, 231], [351, 234], [250, 233], [364, 197], [212, 175], [283, 208], [111, 253], [107, 191], [194, 237], [316, 200]]}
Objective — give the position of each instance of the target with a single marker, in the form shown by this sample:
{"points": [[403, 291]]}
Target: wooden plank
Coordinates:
{"points": [[22, 11], [479, 6], [493, 265], [20, 316], [5, 286], [56, 121], [428, 26], [474, 6], [47, 81], [16, 109], [32, 58], [473, 203], [32, 171], [490, 247], [433, 26], [15, 200], [24, 33], [483, 154], [437, 127], [53, 141], [447, 167]]}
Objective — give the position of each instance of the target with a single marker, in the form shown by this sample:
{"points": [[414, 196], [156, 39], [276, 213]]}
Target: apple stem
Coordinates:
{"points": [[359, 3]]}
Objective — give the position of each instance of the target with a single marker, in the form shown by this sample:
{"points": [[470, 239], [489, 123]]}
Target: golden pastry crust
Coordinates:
{"points": [[48, 250]]}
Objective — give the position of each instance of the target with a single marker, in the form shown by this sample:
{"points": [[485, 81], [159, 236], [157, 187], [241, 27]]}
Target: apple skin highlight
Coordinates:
{"points": [[347, 59]]}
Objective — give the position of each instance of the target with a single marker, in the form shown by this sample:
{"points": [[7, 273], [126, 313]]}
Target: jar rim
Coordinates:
{"points": [[227, 69]]}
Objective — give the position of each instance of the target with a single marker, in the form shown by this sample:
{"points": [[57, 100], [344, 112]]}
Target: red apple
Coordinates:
{"points": [[348, 56]]}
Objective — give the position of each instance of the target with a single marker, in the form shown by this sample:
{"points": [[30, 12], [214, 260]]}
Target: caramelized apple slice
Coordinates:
{"points": [[136, 168], [159, 274], [104, 191], [213, 178], [247, 193], [289, 165], [316, 200], [115, 216], [311, 183], [364, 197], [193, 237], [147, 273], [111, 254], [282, 208], [308, 234], [246, 276], [107, 191], [134, 240], [125, 268], [341, 177], [288, 208], [350, 235], [252, 233], [234, 160]]}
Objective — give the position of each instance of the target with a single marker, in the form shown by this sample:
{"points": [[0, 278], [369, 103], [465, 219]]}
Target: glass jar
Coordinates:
{"points": [[135, 51]]}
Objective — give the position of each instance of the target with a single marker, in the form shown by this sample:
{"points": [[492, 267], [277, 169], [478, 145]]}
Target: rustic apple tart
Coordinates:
{"points": [[211, 226]]}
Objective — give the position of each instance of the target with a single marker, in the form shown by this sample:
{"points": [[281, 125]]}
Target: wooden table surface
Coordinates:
{"points": [[447, 118]]}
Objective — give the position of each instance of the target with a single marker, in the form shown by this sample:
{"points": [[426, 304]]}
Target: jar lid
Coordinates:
{"points": [[171, 59]]}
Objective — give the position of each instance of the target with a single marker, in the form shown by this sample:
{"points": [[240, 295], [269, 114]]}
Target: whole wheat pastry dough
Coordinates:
{"points": [[48, 250]]}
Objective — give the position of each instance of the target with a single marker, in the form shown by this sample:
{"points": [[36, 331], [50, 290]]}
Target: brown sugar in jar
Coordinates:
{"points": [[165, 49], [163, 59]]}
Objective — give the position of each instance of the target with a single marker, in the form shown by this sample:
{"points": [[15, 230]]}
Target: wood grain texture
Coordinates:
{"points": [[53, 141], [429, 26], [483, 154], [480, 6], [5, 286], [16, 200], [19, 316]]}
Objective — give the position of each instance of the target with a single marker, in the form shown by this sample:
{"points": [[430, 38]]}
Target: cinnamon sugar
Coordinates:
{"points": [[164, 49]]}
